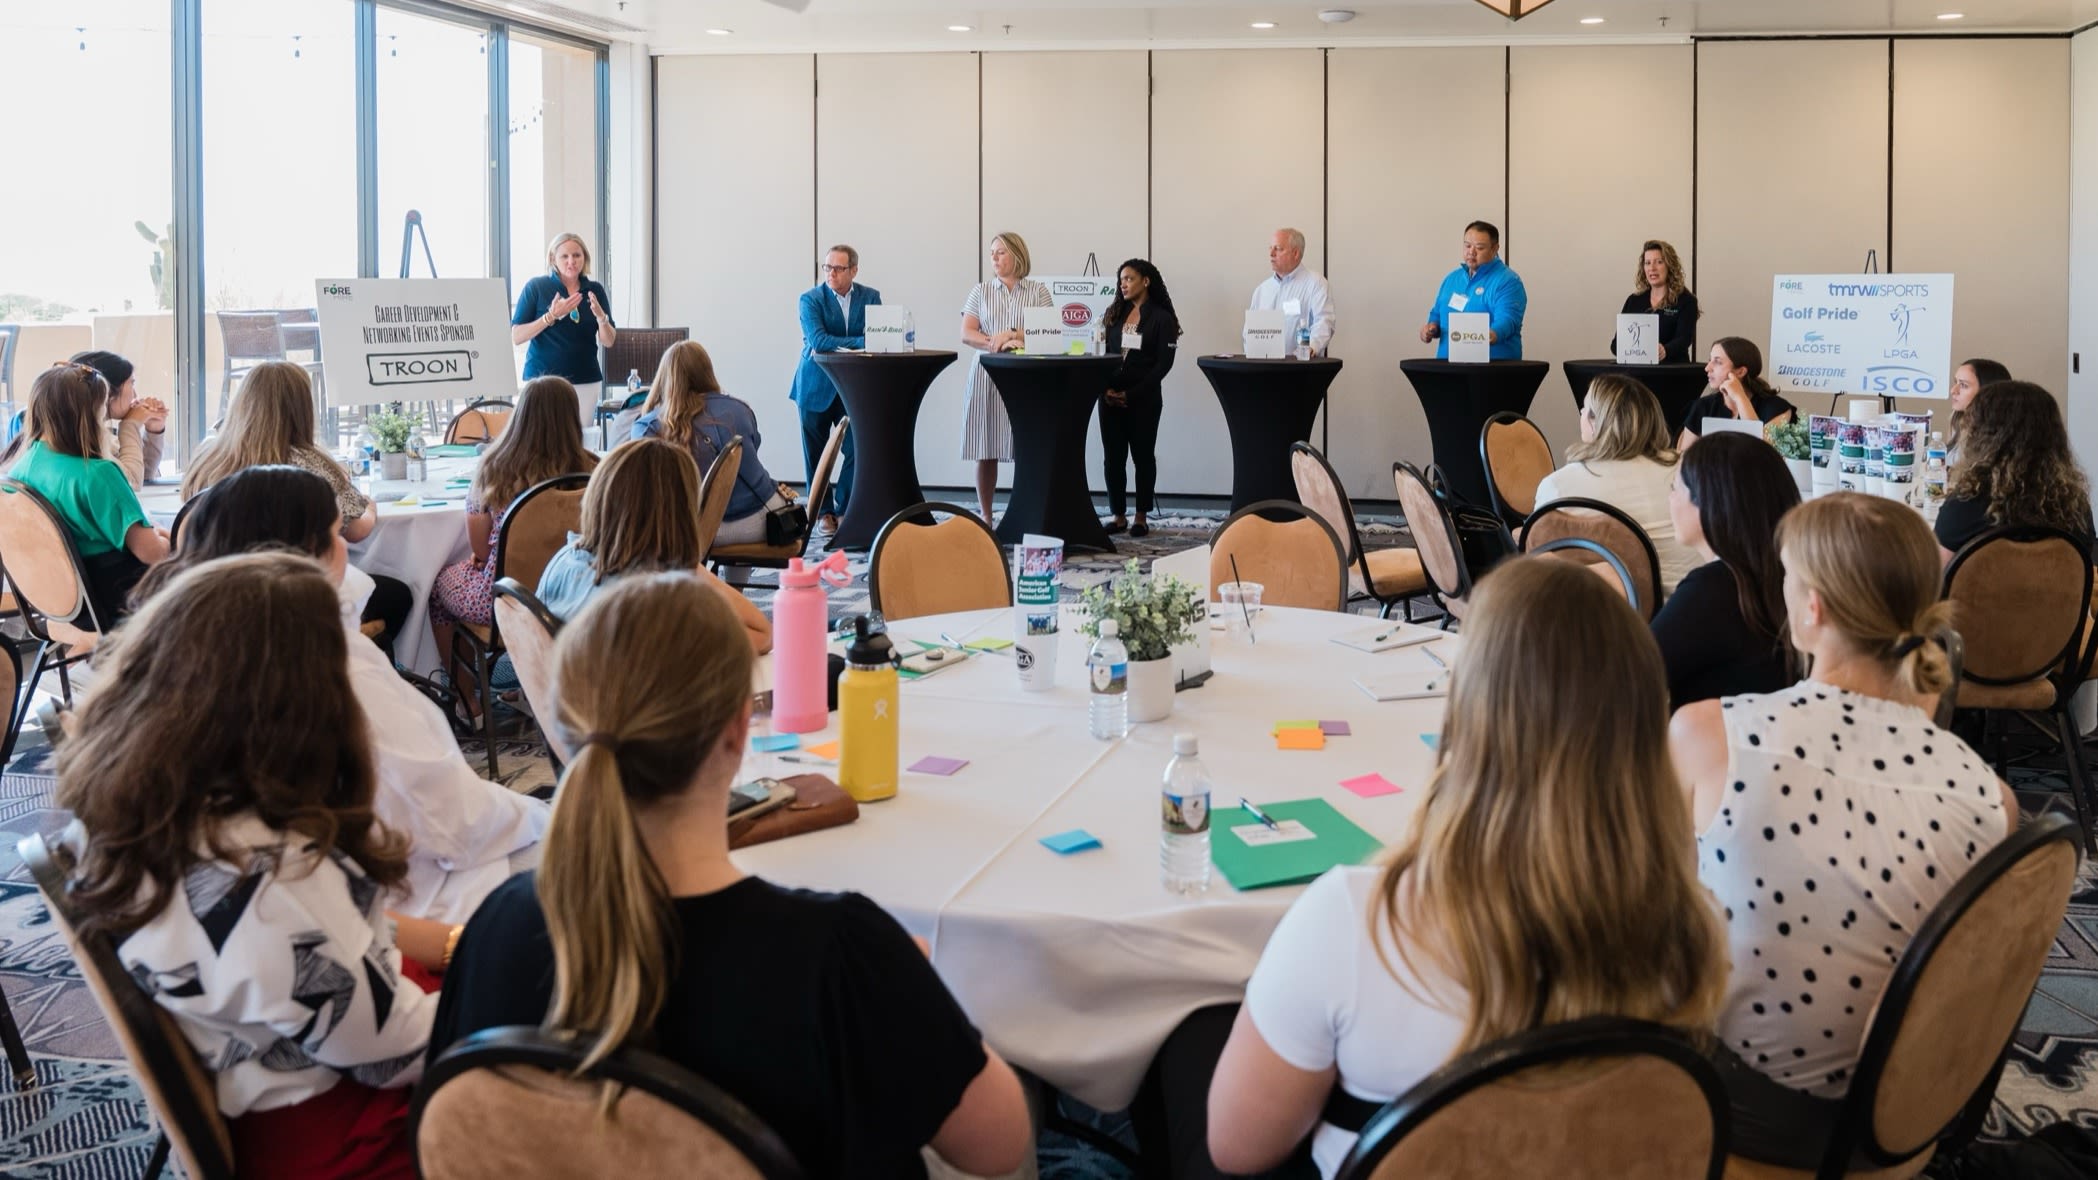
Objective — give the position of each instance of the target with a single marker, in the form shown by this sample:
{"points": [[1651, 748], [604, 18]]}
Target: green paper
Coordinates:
{"points": [[1282, 725], [452, 451], [1339, 842]]}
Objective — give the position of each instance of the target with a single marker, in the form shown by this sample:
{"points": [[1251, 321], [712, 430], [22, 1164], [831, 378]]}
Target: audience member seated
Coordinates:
{"points": [[60, 455], [686, 406], [542, 441], [1624, 460], [138, 425], [1832, 816], [1968, 380], [468, 835], [241, 872], [1737, 391], [813, 1009], [271, 420], [1723, 630], [640, 516], [1380, 974], [2015, 468]]}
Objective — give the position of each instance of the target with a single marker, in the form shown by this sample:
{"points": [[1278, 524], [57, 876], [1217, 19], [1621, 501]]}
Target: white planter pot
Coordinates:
{"points": [[393, 465], [1150, 689], [1803, 475]]}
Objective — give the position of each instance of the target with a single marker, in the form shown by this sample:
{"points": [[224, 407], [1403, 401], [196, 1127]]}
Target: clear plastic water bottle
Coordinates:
{"points": [[910, 331], [1934, 470], [1304, 342], [1183, 835], [1107, 671], [633, 382]]}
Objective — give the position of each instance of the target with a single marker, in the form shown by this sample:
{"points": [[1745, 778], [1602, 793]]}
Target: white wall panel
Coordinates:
{"points": [[2083, 249]]}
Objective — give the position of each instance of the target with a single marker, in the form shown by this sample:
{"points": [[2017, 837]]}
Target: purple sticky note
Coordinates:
{"points": [[1336, 728], [934, 764], [1369, 786]]}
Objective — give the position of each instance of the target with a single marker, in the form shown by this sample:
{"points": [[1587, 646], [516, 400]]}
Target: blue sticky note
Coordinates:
{"points": [[1433, 740], [1075, 840], [774, 743]]}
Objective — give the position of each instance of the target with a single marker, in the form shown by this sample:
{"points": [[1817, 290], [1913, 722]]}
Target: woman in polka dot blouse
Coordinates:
{"points": [[1832, 816]]}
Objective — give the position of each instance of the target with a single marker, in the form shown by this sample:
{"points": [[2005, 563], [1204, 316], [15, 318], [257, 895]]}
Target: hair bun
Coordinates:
{"points": [[1908, 642]]}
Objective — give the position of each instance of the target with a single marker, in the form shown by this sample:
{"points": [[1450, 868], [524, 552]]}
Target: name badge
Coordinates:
{"points": [[1459, 300], [1293, 306], [1131, 341]]}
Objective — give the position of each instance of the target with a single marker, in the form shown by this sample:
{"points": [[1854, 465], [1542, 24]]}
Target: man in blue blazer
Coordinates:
{"points": [[833, 317]]}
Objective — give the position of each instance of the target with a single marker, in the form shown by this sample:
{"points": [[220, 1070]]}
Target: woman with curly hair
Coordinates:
{"points": [[1144, 330], [1658, 289], [2015, 468]]}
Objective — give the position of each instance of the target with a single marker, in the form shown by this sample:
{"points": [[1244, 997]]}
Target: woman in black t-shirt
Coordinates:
{"points": [[1143, 329], [1737, 390], [2015, 468], [815, 1010], [1658, 290], [1722, 633]]}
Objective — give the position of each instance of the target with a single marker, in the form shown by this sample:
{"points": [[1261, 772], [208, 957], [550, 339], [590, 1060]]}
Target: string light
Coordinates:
{"points": [[82, 30]]}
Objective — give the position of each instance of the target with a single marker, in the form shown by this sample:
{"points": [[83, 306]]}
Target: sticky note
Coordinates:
{"points": [[934, 764], [988, 644], [1282, 725], [408, 501], [1300, 739], [1066, 843], [774, 743], [826, 750], [1336, 728], [1369, 786], [1434, 741]]}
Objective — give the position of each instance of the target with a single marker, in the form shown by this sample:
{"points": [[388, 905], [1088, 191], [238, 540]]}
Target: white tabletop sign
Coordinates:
{"points": [[1045, 332], [390, 340], [1639, 339], [1471, 339], [1267, 331], [1082, 302], [885, 327]]}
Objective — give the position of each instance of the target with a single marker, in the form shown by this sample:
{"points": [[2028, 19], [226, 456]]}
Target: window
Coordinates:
{"points": [[553, 152], [434, 156]]}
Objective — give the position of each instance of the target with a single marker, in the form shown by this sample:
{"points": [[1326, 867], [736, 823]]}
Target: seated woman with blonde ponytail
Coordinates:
{"points": [[1831, 816], [813, 1009]]}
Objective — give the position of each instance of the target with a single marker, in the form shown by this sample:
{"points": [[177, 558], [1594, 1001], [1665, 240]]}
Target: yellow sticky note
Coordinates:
{"points": [[1282, 725], [1300, 739], [826, 750]]}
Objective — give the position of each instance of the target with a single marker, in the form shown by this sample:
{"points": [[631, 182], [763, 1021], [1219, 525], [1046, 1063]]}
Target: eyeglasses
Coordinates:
{"points": [[832, 270]]}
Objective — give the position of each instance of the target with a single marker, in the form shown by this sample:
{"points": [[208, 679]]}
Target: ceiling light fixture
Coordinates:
{"points": [[1263, 24], [1591, 20], [1515, 9], [958, 28], [719, 32], [1952, 16]]}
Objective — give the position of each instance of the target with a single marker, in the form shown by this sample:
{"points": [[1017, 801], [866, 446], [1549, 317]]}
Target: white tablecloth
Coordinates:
{"points": [[1077, 967]]}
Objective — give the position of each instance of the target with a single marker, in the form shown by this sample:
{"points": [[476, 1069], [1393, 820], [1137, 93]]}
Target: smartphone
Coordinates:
{"points": [[758, 796]]}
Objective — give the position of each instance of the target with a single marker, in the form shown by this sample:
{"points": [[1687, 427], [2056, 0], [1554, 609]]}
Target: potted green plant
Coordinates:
{"points": [[390, 430], [1153, 614], [1792, 441]]}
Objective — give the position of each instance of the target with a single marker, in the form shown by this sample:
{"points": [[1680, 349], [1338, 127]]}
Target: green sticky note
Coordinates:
{"points": [[988, 644], [453, 451], [1282, 725], [1337, 841]]}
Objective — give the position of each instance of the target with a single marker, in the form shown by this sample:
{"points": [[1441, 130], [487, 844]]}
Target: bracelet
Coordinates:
{"points": [[451, 944]]}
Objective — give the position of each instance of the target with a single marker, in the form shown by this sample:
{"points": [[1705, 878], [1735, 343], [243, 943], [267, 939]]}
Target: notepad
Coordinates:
{"points": [[934, 764], [828, 750], [1282, 725], [1336, 841], [1337, 728], [1387, 637], [1066, 843], [1418, 685], [1369, 786], [774, 743], [1300, 739], [452, 451]]}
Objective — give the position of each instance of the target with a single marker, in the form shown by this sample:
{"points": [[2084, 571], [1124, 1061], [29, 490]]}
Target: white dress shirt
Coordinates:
{"points": [[844, 304], [1306, 288]]}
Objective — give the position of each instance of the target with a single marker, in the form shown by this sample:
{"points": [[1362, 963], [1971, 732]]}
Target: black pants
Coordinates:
{"points": [[1128, 432], [1171, 1112], [815, 435], [110, 578], [1774, 1123], [389, 605]]}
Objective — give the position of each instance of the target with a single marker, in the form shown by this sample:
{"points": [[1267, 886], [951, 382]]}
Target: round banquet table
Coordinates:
{"points": [[882, 393], [1078, 967], [1050, 401], [1268, 404], [1676, 385], [1458, 399]]}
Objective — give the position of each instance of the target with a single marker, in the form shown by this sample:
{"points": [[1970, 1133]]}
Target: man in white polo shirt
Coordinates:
{"points": [[1298, 291]]}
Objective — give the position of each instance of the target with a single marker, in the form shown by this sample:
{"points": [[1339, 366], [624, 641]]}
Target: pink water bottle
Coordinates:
{"points": [[800, 644]]}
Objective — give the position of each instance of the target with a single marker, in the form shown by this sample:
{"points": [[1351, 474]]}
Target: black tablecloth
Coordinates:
{"points": [[1458, 399], [1050, 400], [1676, 385], [1268, 404], [882, 392]]}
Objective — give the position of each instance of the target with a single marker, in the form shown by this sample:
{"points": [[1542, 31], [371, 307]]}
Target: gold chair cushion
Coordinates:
{"points": [[1295, 562], [2034, 695], [937, 569], [1517, 460], [1395, 571]]}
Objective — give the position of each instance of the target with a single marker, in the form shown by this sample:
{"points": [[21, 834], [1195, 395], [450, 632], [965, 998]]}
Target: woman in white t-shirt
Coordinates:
{"points": [[1832, 816], [1624, 460], [1547, 856]]}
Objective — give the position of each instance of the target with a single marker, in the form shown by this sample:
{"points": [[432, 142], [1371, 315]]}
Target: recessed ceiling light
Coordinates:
{"points": [[719, 32], [1952, 16], [957, 28], [1263, 24], [1591, 20]]}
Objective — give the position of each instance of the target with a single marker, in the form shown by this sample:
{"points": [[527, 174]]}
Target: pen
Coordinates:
{"points": [[1257, 813], [808, 759], [1430, 653], [1385, 636]]}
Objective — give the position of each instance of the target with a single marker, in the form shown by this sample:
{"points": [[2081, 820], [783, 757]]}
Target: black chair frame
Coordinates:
{"points": [[1501, 509], [1601, 553], [516, 592], [1448, 524], [1284, 512], [1354, 540], [564, 1053], [1593, 1037], [1653, 558], [51, 654], [486, 403], [917, 515]]}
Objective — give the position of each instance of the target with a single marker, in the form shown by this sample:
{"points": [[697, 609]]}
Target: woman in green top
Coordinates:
{"points": [[60, 456]]}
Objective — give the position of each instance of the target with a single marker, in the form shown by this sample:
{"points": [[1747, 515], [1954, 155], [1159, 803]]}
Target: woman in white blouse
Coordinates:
{"points": [[1380, 974], [1831, 816], [240, 868], [995, 320], [1624, 460]]}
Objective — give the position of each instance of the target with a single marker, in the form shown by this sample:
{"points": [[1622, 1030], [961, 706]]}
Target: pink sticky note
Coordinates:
{"points": [[1336, 728], [1369, 786], [934, 764]]}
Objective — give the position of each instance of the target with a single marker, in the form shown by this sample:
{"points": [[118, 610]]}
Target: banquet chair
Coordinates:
{"points": [[2020, 599], [1517, 458], [1391, 576], [9, 334], [716, 486], [1935, 1048], [480, 421], [528, 634], [919, 567], [1604, 1097], [1285, 547], [1603, 563], [758, 555], [43, 566], [519, 1101], [534, 528], [180, 1092], [1435, 539], [634, 350], [1608, 526]]}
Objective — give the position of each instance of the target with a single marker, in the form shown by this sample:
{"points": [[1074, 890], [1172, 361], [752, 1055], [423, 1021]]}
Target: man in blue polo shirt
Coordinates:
{"points": [[1483, 283]]}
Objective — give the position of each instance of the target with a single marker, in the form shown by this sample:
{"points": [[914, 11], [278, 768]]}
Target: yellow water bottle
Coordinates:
{"points": [[869, 761]]}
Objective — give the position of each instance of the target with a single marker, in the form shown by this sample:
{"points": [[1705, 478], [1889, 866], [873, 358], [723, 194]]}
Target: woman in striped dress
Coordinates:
{"points": [[993, 320]]}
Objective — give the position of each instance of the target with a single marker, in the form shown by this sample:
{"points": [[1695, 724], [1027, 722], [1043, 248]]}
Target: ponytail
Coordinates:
{"points": [[1920, 664], [1875, 564]]}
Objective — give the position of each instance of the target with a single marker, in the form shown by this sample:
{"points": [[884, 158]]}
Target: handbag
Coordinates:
{"points": [[1483, 538], [818, 803], [786, 524]]}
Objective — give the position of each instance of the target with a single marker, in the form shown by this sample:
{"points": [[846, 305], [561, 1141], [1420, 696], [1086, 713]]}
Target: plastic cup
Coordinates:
{"points": [[1241, 606]]}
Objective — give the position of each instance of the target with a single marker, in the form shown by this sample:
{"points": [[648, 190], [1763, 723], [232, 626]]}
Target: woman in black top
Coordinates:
{"points": [[2015, 468], [1722, 633], [1142, 327], [815, 1010], [1658, 289], [1737, 390]]}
